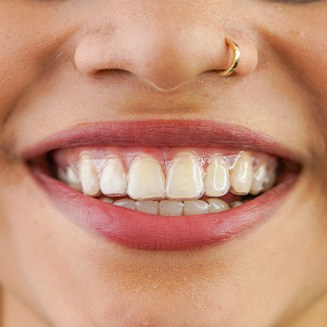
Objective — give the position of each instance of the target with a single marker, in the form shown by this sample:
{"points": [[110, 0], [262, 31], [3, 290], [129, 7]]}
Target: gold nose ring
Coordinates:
{"points": [[236, 59]]}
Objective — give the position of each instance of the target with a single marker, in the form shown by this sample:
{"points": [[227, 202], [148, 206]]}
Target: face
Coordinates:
{"points": [[131, 90]]}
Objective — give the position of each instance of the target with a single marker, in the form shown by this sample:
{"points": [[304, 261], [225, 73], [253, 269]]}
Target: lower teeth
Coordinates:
{"points": [[174, 207]]}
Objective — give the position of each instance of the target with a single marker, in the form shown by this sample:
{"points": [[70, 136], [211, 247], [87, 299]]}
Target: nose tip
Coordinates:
{"points": [[163, 58], [167, 62]]}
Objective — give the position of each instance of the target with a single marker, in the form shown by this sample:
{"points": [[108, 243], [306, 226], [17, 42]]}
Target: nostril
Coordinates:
{"points": [[103, 73], [163, 58], [96, 53]]}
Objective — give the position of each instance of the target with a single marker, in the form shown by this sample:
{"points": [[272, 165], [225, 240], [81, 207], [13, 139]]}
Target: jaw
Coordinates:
{"points": [[225, 272], [125, 265], [214, 270]]}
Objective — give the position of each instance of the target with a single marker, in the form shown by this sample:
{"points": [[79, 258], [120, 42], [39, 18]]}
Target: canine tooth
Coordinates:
{"points": [[146, 179], [148, 206], [217, 177], [171, 208], [259, 177], [241, 175], [236, 204], [88, 176], [113, 180], [195, 207], [72, 179], [217, 205], [185, 177], [125, 203]]}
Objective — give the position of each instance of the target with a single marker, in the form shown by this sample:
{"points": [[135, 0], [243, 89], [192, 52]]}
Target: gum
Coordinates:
{"points": [[71, 156]]}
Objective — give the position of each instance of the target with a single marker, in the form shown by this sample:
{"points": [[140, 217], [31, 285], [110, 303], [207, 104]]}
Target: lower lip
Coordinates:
{"points": [[138, 230]]}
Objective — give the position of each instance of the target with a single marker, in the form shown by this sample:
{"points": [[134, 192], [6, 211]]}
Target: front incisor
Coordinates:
{"points": [[171, 208], [217, 177], [146, 179], [185, 177], [241, 175], [148, 206]]}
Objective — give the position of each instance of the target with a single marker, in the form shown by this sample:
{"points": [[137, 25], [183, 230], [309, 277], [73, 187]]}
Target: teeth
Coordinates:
{"points": [[174, 208], [72, 179], [146, 179], [89, 177], [147, 206], [171, 208], [125, 203], [113, 179], [195, 207], [217, 177], [217, 205], [241, 175], [146, 188], [259, 178], [270, 179], [236, 204], [61, 173], [185, 177], [106, 200]]}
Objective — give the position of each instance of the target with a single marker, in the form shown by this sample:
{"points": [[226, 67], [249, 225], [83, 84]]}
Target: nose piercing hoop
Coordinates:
{"points": [[236, 58]]}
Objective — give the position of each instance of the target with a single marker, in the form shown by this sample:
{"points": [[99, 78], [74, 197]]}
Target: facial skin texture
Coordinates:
{"points": [[64, 63]]}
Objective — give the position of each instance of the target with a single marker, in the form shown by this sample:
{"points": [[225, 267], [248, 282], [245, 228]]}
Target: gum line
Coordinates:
{"points": [[71, 156]]}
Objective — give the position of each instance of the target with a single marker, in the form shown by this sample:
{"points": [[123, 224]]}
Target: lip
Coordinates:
{"points": [[162, 133], [143, 231]]}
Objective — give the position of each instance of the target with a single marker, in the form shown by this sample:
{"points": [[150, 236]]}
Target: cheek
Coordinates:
{"points": [[28, 38], [308, 60], [17, 69], [297, 35]]}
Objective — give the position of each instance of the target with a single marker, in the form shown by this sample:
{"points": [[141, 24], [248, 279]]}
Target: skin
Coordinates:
{"points": [[64, 63]]}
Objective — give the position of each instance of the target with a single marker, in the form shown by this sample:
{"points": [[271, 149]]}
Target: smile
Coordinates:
{"points": [[164, 185]]}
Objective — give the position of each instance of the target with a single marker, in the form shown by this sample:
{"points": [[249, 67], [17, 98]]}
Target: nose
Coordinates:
{"points": [[165, 53]]}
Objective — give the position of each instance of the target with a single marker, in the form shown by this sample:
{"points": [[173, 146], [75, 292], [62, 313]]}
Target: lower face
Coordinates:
{"points": [[202, 216]]}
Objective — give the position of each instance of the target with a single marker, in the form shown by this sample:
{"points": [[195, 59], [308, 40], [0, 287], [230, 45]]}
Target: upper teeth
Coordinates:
{"points": [[113, 180], [72, 179], [242, 175], [146, 179], [185, 177], [217, 177], [89, 177], [259, 177]]}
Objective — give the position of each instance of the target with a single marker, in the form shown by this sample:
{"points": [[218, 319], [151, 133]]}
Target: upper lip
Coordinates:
{"points": [[162, 133]]}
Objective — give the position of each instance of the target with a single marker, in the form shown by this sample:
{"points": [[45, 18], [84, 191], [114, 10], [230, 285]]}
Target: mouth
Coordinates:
{"points": [[164, 185]]}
